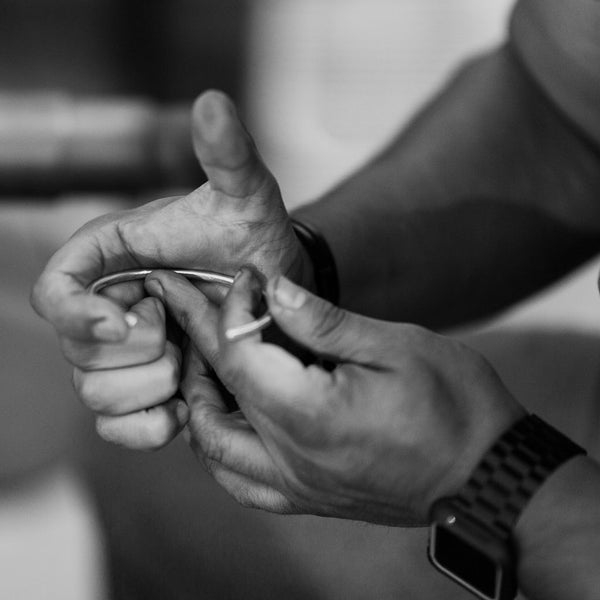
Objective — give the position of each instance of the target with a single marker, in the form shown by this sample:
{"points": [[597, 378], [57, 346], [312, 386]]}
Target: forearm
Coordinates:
{"points": [[558, 535], [488, 195]]}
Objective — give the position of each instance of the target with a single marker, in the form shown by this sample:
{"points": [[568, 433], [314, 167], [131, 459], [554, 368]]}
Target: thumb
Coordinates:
{"points": [[322, 327], [225, 149]]}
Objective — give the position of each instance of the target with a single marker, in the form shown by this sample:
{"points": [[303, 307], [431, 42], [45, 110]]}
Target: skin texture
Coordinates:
{"points": [[237, 217], [401, 421], [401, 400]]}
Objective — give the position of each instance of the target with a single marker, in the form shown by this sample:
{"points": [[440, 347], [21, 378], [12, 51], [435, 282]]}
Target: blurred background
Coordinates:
{"points": [[94, 100]]}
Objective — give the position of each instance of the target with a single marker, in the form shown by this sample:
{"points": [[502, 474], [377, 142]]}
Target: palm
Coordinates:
{"points": [[205, 229]]}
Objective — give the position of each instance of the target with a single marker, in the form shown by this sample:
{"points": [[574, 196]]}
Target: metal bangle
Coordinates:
{"points": [[234, 333]]}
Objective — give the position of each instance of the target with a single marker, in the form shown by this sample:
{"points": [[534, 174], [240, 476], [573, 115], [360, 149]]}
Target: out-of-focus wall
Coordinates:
{"points": [[56, 58], [328, 82], [167, 51], [95, 66], [50, 542]]}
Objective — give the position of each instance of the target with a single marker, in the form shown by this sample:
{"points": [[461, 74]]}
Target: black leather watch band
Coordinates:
{"points": [[510, 473], [325, 271]]}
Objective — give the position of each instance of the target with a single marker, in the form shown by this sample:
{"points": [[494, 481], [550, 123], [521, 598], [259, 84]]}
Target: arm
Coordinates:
{"points": [[489, 194], [403, 420], [557, 535]]}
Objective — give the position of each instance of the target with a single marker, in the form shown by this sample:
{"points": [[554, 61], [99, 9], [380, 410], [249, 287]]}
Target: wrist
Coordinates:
{"points": [[482, 436]]}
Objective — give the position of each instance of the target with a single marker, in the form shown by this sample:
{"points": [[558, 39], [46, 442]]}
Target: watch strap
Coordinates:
{"points": [[325, 270], [511, 472]]}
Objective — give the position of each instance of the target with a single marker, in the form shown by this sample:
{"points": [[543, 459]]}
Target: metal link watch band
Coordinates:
{"points": [[510, 473]]}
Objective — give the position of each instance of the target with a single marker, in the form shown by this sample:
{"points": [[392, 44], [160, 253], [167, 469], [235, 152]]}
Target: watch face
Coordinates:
{"points": [[464, 562]]}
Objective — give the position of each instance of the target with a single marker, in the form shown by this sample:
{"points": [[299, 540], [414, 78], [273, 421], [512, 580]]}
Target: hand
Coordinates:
{"points": [[237, 218], [402, 420]]}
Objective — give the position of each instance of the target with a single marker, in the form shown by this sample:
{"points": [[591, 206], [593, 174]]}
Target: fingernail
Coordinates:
{"points": [[108, 331], [183, 412], [240, 274], [131, 319], [154, 287], [288, 295]]}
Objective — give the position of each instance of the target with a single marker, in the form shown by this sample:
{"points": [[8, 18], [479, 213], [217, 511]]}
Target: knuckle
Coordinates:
{"points": [[106, 430], [77, 353], [37, 296], [76, 381], [94, 395], [130, 232], [87, 390], [415, 333], [315, 411]]}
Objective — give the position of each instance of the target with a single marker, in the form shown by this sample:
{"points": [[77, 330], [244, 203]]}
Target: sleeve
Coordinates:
{"points": [[558, 42]]}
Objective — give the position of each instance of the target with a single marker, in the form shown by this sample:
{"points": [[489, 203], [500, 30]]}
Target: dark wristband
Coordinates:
{"points": [[325, 270], [511, 472]]}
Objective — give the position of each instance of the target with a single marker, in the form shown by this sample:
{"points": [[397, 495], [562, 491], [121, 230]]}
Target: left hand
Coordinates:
{"points": [[129, 376], [402, 420]]}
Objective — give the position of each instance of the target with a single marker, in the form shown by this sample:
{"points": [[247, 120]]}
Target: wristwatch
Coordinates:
{"points": [[471, 533]]}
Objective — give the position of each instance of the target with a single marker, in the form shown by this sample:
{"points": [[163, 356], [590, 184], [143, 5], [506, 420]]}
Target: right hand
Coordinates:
{"points": [[128, 376], [402, 420]]}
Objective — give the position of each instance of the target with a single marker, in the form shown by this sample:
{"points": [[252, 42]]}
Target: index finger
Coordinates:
{"points": [[262, 375], [60, 295]]}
